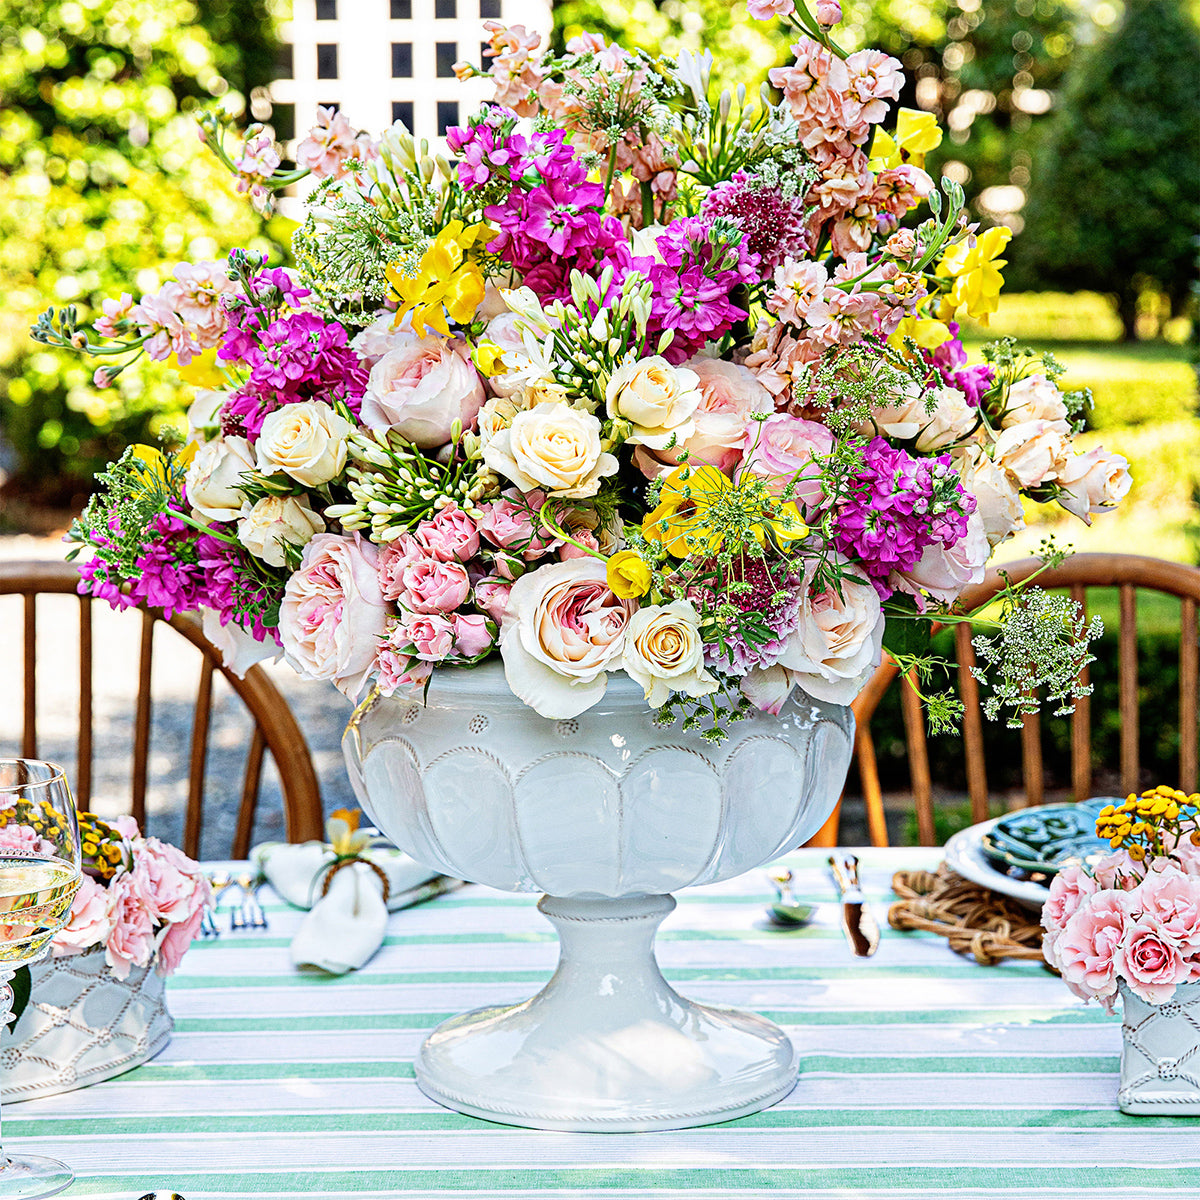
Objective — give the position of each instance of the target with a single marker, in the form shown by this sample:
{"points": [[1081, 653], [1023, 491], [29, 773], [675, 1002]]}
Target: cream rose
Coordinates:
{"points": [[213, 476], [952, 420], [333, 615], [664, 653], [903, 416], [1035, 398], [421, 388], [657, 399], [1093, 482], [729, 393], [838, 642], [204, 414], [265, 526], [553, 447], [1033, 452], [997, 502], [944, 571], [563, 630], [305, 441]]}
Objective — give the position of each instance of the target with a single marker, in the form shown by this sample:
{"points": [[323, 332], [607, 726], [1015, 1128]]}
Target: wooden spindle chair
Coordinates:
{"points": [[1129, 574], [274, 726]]}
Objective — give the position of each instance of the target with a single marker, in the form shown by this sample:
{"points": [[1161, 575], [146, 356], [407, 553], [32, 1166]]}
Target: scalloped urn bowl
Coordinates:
{"points": [[606, 814]]}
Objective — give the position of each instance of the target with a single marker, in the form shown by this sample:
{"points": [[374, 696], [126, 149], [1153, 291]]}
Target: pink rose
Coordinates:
{"points": [[1172, 899], [24, 840], [430, 586], [491, 595], [471, 635], [394, 557], [766, 10], [174, 941], [89, 923], [509, 523], [398, 671], [421, 388], [1187, 856], [130, 941], [333, 612], [1151, 962], [126, 826], [449, 535], [171, 884], [1090, 943], [431, 635], [1068, 890], [1118, 871], [785, 450], [944, 572], [729, 393]]}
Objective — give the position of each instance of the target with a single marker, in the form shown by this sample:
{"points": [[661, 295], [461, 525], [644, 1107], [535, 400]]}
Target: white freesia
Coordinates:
{"points": [[1033, 452], [838, 641], [553, 447], [213, 476], [1093, 482], [306, 441], [563, 630], [657, 399], [997, 501], [1035, 398], [265, 527], [664, 652]]}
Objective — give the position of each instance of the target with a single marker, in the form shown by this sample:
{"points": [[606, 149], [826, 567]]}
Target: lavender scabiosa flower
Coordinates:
{"points": [[774, 225], [894, 506], [775, 597]]}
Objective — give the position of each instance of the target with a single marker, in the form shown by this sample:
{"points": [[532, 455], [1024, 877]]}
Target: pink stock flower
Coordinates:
{"points": [[130, 941], [767, 10], [89, 924], [1150, 960], [331, 143], [1088, 946], [115, 311]]}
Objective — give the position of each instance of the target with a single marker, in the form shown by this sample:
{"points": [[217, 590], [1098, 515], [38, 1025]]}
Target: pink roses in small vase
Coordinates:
{"points": [[1134, 918]]}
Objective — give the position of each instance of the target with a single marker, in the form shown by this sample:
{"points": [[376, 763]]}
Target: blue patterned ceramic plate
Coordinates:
{"points": [[1046, 838]]}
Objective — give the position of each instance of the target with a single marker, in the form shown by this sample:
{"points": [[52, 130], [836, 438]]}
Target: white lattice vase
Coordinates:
{"points": [[82, 1025], [606, 814], [1160, 1054]]}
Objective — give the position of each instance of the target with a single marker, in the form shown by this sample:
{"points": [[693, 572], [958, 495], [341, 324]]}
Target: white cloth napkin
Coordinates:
{"points": [[345, 927]]}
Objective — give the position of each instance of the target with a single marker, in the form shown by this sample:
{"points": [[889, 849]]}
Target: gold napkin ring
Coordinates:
{"points": [[334, 867]]}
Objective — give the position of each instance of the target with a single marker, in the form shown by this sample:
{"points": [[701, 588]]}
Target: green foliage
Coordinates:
{"points": [[102, 180], [1116, 191]]}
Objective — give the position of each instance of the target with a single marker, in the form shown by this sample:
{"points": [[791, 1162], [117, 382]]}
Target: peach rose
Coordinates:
{"points": [[1033, 452], [332, 614], [421, 388], [130, 940], [657, 399], [270, 523], [952, 419], [553, 447], [1171, 897], [1093, 482], [664, 652], [563, 630], [1068, 890], [1035, 398]]}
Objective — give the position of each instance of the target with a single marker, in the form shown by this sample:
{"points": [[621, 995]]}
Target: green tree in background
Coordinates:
{"points": [[102, 179], [1115, 204]]}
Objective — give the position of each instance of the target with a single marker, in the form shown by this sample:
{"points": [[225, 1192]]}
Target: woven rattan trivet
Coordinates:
{"points": [[973, 919]]}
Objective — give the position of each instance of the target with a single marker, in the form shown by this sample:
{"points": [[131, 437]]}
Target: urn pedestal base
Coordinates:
{"points": [[607, 1045]]}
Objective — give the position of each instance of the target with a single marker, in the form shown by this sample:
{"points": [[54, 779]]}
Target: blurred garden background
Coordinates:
{"points": [[1073, 122]]}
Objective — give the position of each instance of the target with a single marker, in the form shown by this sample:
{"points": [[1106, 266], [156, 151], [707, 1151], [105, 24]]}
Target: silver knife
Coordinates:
{"points": [[858, 922]]}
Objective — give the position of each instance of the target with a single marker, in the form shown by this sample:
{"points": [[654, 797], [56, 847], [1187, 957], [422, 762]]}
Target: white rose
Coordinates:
{"points": [[838, 642], [1093, 482], [563, 630], [664, 653], [945, 571], [997, 502], [1035, 398], [657, 399], [553, 447], [239, 648], [306, 441], [903, 416], [496, 415], [421, 388], [204, 414], [213, 476], [952, 420], [1032, 452], [263, 528]]}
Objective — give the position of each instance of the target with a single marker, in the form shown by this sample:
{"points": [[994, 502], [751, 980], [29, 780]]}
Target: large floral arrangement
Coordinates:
{"points": [[140, 899], [639, 378], [1134, 916]]}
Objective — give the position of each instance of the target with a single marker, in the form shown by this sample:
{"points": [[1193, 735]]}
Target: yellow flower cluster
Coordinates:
{"points": [[1148, 825], [103, 847]]}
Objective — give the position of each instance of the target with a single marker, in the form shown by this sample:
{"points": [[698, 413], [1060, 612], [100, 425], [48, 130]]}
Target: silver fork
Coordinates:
{"points": [[250, 913], [208, 922]]}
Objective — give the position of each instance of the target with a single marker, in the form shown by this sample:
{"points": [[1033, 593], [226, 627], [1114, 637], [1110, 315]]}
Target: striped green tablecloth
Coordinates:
{"points": [[922, 1074]]}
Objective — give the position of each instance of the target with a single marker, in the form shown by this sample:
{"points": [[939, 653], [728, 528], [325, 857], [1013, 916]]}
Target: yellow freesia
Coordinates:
{"points": [[916, 134], [202, 371], [628, 575], [925, 331], [976, 274], [447, 282]]}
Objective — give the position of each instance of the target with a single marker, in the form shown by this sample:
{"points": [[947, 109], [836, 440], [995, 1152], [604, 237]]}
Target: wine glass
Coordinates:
{"points": [[39, 876]]}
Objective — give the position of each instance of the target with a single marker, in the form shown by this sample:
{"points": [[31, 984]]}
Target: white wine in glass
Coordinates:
{"points": [[39, 876]]}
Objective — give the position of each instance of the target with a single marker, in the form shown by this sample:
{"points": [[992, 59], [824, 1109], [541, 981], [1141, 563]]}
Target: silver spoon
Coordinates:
{"points": [[787, 912]]}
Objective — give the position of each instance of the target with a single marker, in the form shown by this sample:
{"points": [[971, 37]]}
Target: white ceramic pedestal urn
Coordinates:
{"points": [[606, 814]]}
